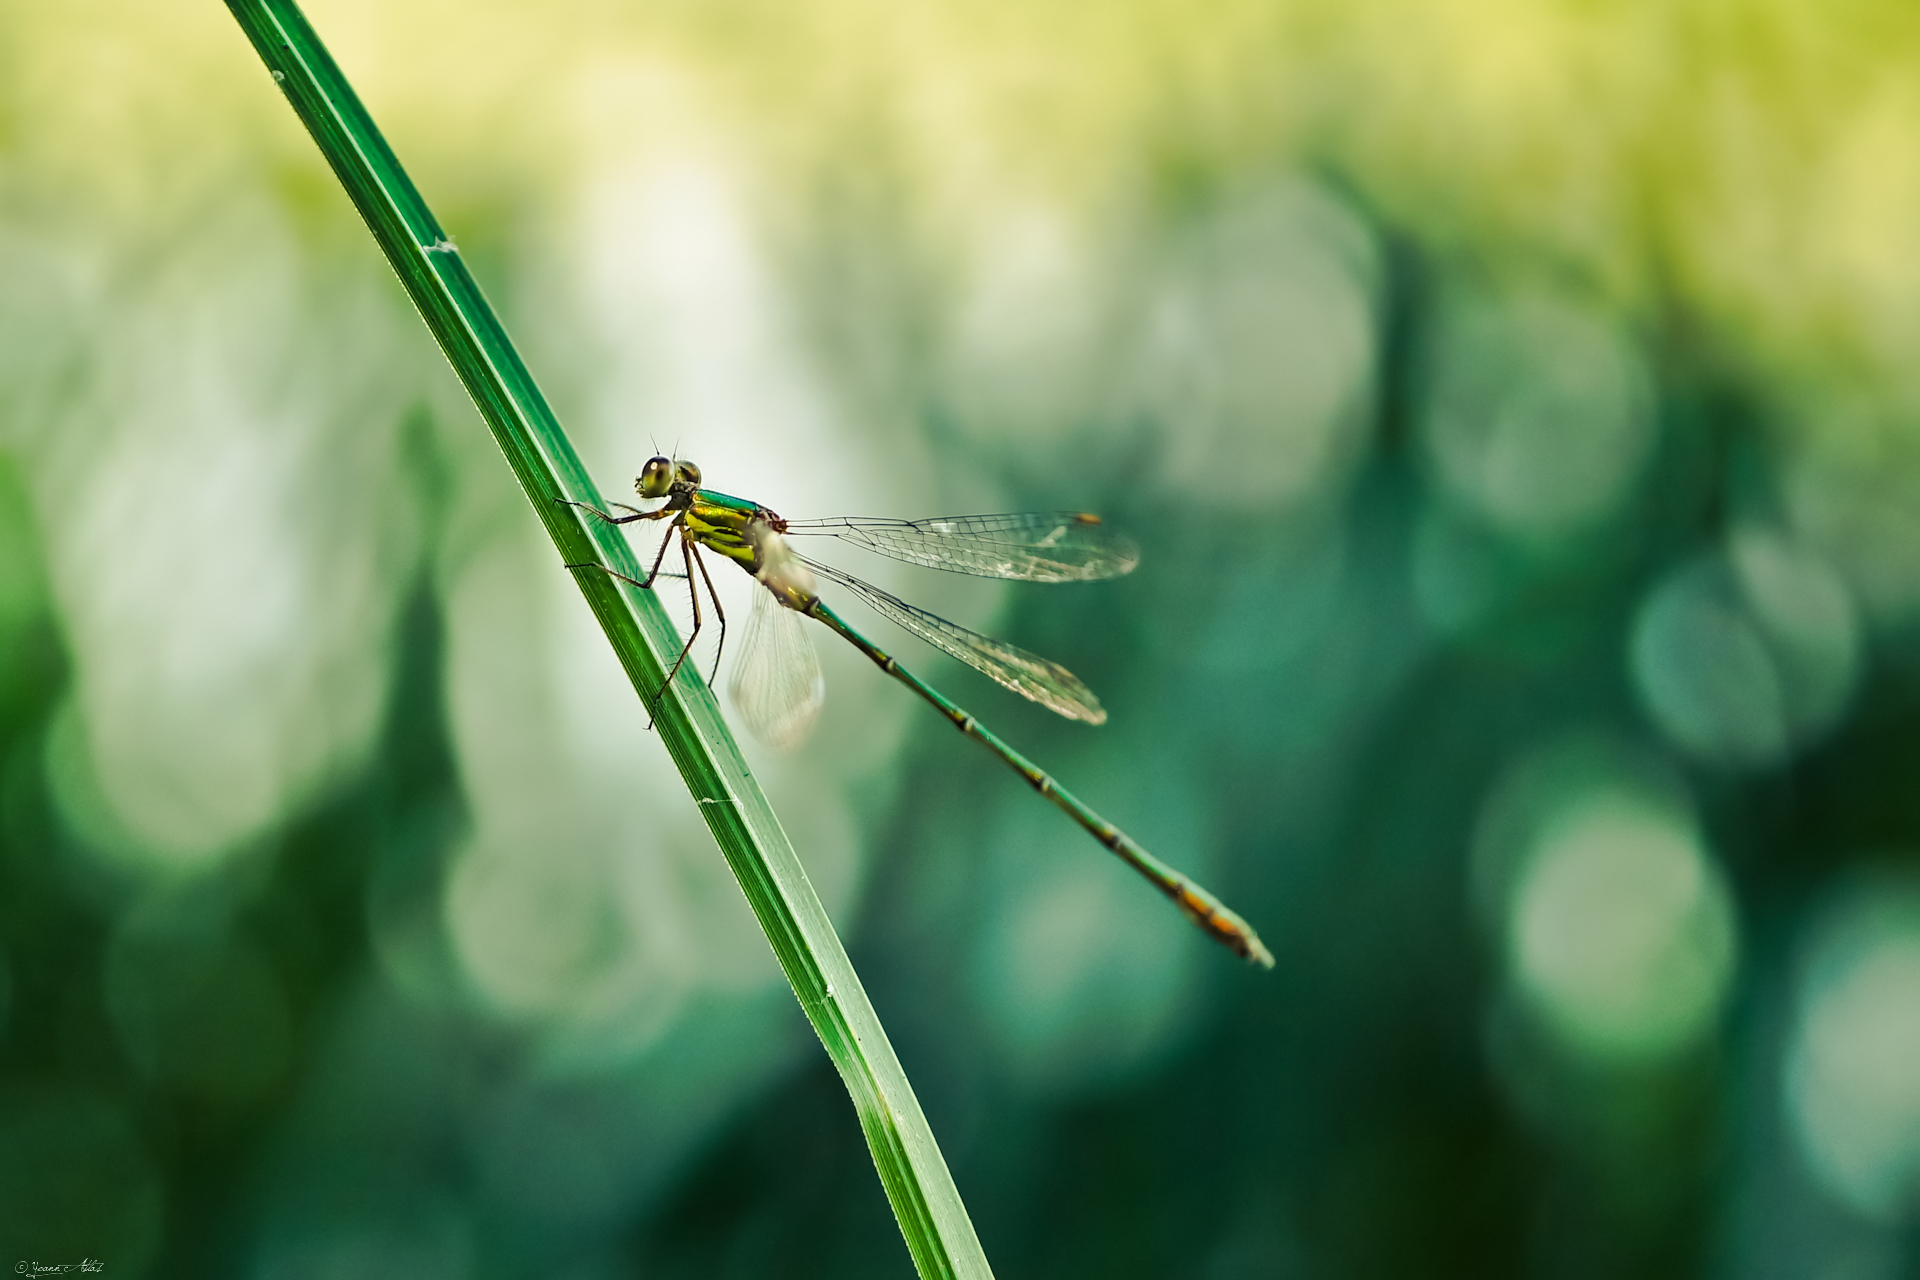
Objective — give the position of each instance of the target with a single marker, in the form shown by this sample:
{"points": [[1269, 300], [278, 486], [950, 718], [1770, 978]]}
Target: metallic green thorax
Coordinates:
{"points": [[725, 524]]}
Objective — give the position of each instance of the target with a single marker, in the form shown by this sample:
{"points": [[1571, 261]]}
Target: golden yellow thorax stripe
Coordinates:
{"points": [[722, 527]]}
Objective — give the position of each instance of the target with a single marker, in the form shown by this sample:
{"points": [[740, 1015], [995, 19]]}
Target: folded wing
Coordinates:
{"points": [[776, 685], [1031, 546], [1047, 683]]}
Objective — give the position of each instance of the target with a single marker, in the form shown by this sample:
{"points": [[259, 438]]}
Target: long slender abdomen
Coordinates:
{"points": [[1208, 912]]}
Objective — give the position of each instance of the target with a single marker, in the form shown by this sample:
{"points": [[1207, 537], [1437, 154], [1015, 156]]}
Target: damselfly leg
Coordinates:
{"points": [[690, 552]]}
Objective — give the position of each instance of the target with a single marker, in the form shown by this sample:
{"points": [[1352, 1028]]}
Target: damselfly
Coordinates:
{"points": [[777, 687]]}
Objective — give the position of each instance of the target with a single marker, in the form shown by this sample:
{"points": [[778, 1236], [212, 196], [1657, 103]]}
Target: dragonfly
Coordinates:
{"points": [[777, 686]]}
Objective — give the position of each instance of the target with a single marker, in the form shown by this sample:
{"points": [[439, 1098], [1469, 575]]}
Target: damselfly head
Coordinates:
{"points": [[656, 478]]}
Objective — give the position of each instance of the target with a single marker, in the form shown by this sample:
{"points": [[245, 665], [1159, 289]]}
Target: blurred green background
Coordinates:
{"points": [[1516, 404]]}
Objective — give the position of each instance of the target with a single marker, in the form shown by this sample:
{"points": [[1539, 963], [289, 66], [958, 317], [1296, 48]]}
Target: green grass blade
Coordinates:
{"points": [[917, 1183]]}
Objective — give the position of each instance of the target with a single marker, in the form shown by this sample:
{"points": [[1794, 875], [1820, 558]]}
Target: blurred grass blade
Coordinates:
{"points": [[917, 1183]]}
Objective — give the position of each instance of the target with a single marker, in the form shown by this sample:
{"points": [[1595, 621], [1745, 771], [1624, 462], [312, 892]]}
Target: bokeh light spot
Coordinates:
{"points": [[1808, 618], [228, 656], [1028, 336], [1538, 414], [1621, 933], [1853, 1078], [1740, 657], [1704, 672], [531, 931], [1260, 347]]}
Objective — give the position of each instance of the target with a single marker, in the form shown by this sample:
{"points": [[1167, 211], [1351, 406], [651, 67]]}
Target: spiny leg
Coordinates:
{"points": [[610, 572], [651, 573], [615, 573], [718, 612], [634, 513], [693, 594], [654, 574], [629, 519], [666, 542]]}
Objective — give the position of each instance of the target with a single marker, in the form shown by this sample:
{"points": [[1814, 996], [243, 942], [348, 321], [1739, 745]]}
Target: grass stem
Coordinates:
{"points": [[925, 1202]]}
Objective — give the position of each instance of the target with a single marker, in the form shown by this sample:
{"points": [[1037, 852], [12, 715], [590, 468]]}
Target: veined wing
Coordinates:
{"points": [[776, 685], [1047, 683], [1033, 546]]}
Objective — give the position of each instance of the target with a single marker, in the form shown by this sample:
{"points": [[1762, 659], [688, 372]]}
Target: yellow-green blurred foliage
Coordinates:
{"points": [[1515, 403]]}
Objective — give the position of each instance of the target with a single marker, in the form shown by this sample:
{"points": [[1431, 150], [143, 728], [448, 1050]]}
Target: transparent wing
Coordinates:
{"points": [[1033, 546], [1047, 683], [776, 685]]}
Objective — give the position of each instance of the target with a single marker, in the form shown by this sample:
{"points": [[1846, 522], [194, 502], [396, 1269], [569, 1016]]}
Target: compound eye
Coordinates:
{"points": [[655, 478], [687, 472]]}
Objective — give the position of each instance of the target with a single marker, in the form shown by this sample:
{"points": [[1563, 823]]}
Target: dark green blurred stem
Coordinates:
{"points": [[917, 1183]]}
